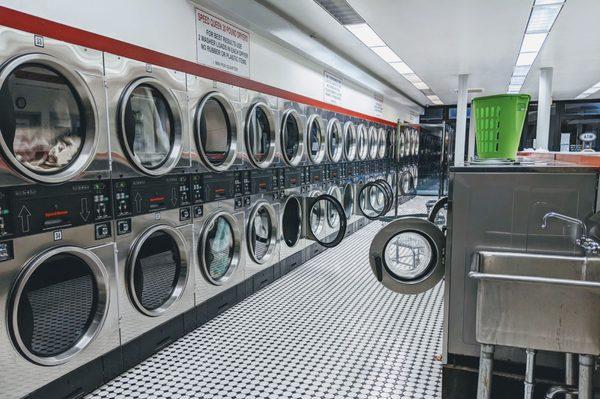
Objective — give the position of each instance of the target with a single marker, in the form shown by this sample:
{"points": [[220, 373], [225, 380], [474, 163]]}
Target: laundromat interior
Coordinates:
{"points": [[298, 199]]}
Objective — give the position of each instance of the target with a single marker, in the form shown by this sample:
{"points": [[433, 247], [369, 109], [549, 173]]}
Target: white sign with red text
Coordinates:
{"points": [[222, 45]]}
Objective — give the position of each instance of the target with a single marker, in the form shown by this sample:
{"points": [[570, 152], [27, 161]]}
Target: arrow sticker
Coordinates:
{"points": [[138, 202], [174, 196], [85, 212], [24, 215]]}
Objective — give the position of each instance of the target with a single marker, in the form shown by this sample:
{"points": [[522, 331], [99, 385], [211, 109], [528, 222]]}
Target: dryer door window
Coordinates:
{"points": [[348, 201], [362, 143], [316, 140], [149, 126], [335, 140], [350, 141], [373, 143], [262, 233], [292, 142], [320, 208], [58, 305], [216, 131], [382, 144], [44, 121], [158, 270], [260, 135], [220, 249], [291, 221], [333, 219]]}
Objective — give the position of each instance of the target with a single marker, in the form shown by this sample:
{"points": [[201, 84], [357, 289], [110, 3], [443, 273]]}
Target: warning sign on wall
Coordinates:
{"points": [[378, 105], [332, 88], [221, 44]]}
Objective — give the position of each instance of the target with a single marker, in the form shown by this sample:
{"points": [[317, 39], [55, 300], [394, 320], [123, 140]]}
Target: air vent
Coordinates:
{"points": [[341, 11]]}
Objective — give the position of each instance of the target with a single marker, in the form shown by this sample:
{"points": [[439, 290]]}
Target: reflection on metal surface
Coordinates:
{"points": [[317, 143], [408, 255], [335, 140], [260, 135]]}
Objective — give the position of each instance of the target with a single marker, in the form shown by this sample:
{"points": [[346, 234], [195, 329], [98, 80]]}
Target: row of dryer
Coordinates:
{"points": [[136, 202]]}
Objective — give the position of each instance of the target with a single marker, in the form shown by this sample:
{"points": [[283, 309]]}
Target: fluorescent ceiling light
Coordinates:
{"points": [[514, 88], [412, 78], [594, 89], [526, 59], [421, 86], [533, 42], [365, 34], [386, 54], [401, 67], [521, 70], [517, 80], [435, 99], [591, 90], [547, 2], [542, 18]]}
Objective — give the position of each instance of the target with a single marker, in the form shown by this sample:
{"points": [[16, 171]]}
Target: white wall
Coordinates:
{"points": [[168, 26]]}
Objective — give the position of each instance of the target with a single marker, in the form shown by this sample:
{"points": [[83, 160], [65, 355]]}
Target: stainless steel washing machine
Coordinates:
{"points": [[219, 253], [260, 131], [293, 133], [148, 118], [373, 139], [215, 123], [156, 276], [58, 285], [53, 106]]}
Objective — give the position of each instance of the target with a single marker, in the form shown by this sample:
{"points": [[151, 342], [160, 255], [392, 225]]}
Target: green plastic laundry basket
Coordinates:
{"points": [[499, 122]]}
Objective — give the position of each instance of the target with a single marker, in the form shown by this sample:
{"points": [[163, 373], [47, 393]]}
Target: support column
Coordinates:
{"points": [[461, 119], [544, 106], [472, 127]]}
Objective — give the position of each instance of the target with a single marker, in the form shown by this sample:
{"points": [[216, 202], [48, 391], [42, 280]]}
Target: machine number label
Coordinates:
{"points": [[38, 41], [157, 216], [58, 235]]}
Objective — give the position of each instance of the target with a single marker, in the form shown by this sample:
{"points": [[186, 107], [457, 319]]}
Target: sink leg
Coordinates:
{"points": [[586, 368], [486, 368], [529, 371], [569, 372]]}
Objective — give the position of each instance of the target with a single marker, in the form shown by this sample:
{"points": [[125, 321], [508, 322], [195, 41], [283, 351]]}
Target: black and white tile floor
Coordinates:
{"points": [[326, 330]]}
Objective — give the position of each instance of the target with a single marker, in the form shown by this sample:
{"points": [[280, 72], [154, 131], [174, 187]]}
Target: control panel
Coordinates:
{"points": [[317, 174], [334, 172], [143, 195], [208, 187], [293, 177], [263, 181], [27, 210]]}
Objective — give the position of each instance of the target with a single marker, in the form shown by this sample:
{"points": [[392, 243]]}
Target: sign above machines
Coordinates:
{"points": [[222, 45], [332, 88]]}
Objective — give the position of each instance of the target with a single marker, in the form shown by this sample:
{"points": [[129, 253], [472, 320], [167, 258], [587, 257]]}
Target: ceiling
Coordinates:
{"points": [[441, 39]]}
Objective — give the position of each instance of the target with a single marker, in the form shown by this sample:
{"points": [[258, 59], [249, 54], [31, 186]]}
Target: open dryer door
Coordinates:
{"points": [[408, 255], [375, 199], [319, 210]]}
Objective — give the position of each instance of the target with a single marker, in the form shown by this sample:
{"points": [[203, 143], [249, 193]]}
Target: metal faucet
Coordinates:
{"points": [[590, 246]]}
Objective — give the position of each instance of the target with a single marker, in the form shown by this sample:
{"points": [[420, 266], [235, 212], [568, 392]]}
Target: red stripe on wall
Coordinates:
{"points": [[44, 27]]}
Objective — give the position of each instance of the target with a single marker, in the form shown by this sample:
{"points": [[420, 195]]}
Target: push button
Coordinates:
{"points": [[102, 230], [6, 251], [184, 214], [198, 211], [123, 226]]}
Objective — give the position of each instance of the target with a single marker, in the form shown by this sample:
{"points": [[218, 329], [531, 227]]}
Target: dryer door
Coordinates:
{"points": [[219, 247], [350, 141], [320, 208], [58, 304], [373, 142], [335, 140], [348, 200], [151, 126], [375, 199], [408, 255], [215, 128], [292, 138], [157, 269], [48, 119], [260, 135], [316, 138], [262, 232], [292, 218]]}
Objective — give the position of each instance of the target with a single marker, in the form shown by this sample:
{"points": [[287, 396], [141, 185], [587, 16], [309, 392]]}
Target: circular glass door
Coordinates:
{"points": [[291, 221], [150, 126], [383, 145], [158, 269], [262, 232], [48, 119], [216, 131], [350, 141], [373, 142], [362, 143], [219, 249], [260, 135], [407, 255], [316, 139], [401, 145], [348, 200], [406, 182], [335, 140], [58, 304], [316, 219], [292, 140], [416, 143], [333, 219], [323, 209]]}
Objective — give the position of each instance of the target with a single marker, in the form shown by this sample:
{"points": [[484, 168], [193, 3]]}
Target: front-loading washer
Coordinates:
{"points": [[373, 139], [260, 131], [219, 254], [53, 106], [153, 230], [383, 148], [292, 136], [148, 118], [362, 142], [215, 123], [316, 138], [58, 289], [350, 141], [335, 140]]}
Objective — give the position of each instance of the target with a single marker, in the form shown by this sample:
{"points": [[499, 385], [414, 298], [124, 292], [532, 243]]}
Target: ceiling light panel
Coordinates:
{"points": [[386, 54], [341, 11], [365, 34], [541, 19], [401, 67]]}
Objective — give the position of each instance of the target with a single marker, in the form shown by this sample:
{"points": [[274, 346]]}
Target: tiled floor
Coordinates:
{"points": [[326, 330]]}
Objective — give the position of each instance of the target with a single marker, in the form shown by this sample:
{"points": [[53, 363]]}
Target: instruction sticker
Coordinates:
{"points": [[222, 45], [332, 88]]}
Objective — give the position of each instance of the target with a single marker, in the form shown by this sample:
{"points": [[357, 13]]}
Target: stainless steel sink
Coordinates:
{"points": [[538, 301]]}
